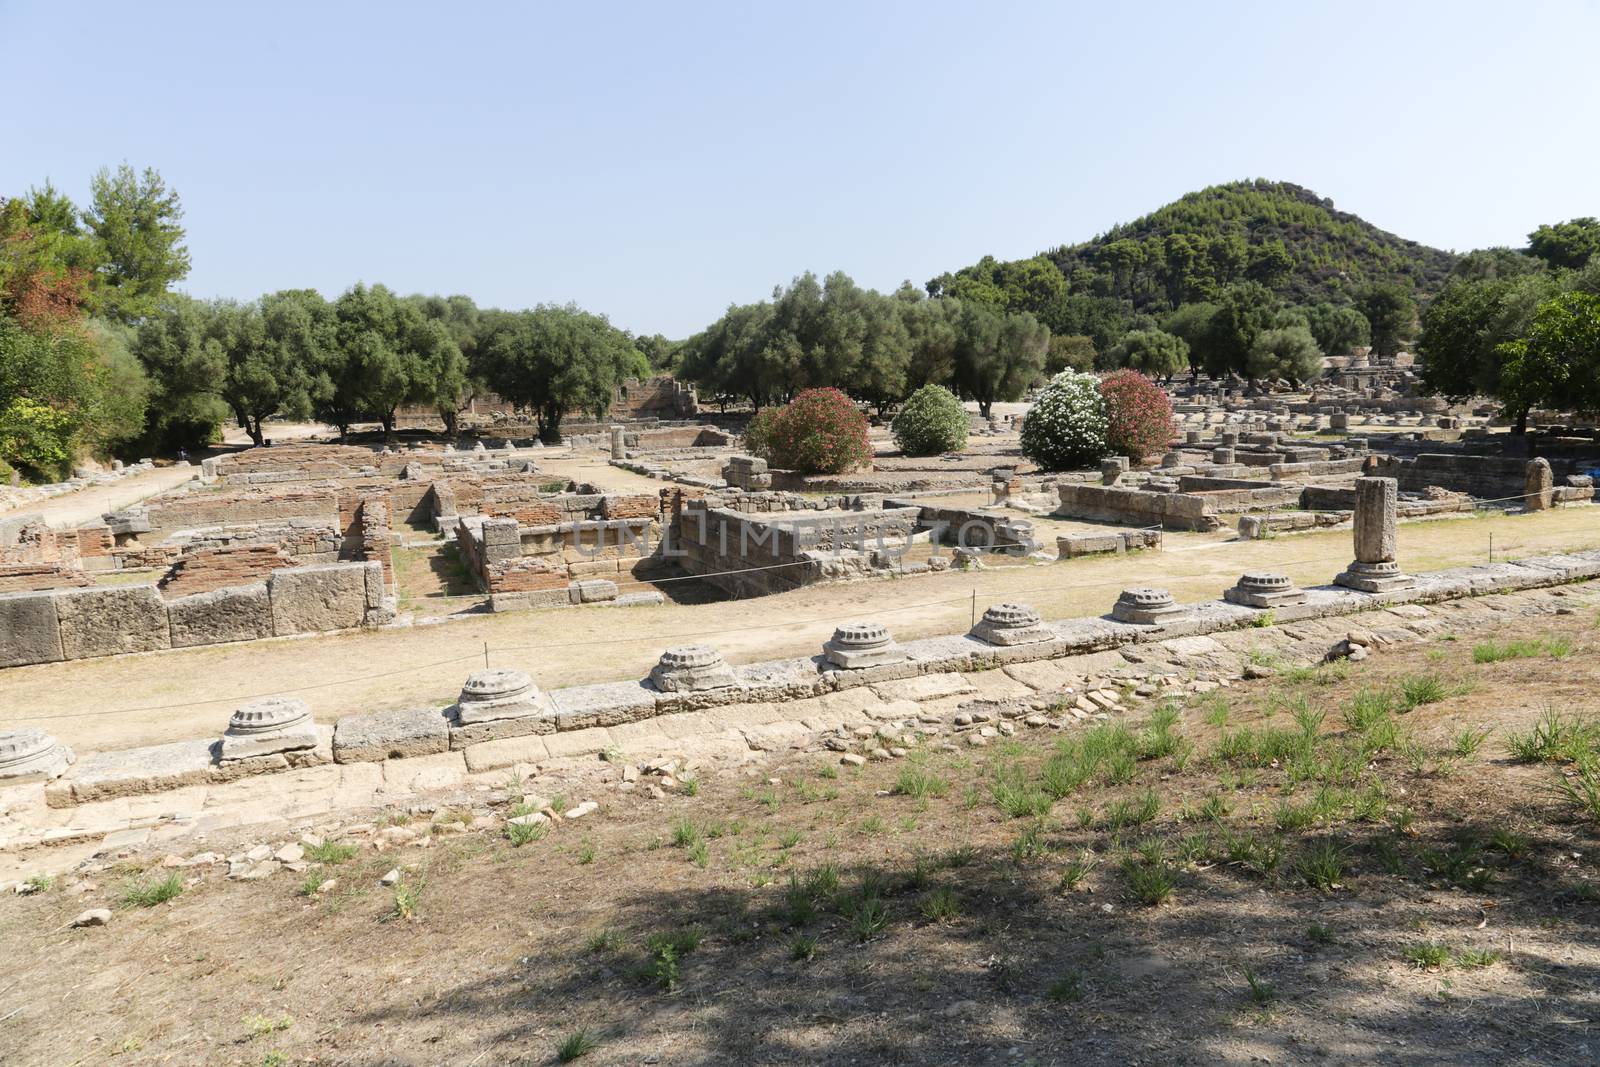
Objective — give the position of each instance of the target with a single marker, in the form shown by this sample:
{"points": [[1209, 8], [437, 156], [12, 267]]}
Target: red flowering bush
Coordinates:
{"points": [[820, 432], [1138, 415]]}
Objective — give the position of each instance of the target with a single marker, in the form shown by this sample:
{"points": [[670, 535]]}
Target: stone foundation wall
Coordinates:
{"points": [[1485, 477], [1135, 507], [1207, 636], [47, 627]]}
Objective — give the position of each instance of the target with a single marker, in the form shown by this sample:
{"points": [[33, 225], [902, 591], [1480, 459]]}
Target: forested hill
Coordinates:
{"points": [[1281, 235]]}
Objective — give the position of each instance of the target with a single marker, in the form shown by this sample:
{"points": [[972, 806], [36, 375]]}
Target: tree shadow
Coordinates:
{"points": [[1234, 969]]}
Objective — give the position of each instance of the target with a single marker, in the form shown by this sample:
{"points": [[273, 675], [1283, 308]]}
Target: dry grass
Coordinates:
{"points": [[1311, 885]]}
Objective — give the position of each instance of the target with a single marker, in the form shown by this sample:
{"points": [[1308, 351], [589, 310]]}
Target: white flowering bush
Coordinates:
{"points": [[932, 421], [1066, 427]]}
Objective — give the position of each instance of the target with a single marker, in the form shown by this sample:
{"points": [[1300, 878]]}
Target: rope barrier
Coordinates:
{"points": [[970, 597], [790, 623]]}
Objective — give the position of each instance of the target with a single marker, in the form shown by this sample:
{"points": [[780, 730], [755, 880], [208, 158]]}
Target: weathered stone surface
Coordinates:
{"points": [[1145, 606], [498, 693], [1011, 624], [269, 726], [691, 668], [329, 596], [391, 735], [1376, 519], [29, 631], [132, 771], [862, 644], [605, 704], [1538, 484], [31, 754], [234, 613], [1374, 569], [113, 620], [1264, 589]]}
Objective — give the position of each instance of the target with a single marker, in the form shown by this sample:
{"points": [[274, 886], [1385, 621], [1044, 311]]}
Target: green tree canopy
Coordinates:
{"points": [[1155, 353], [1337, 328], [1390, 314], [1566, 244], [386, 353], [1558, 364], [1288, 352], [554, 360], [136, 219]]}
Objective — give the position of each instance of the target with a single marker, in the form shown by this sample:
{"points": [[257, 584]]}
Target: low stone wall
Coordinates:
{"points": [[68, 624], [1074, 545], [592, 715], [1485, 477], [1137, 507]]}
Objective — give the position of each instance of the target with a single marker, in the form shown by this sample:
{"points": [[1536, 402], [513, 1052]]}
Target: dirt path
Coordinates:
{"points": [[75, 509], [367, 671]]}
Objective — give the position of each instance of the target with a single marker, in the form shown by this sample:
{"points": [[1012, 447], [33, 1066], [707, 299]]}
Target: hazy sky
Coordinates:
{"points": [[657, 161]]}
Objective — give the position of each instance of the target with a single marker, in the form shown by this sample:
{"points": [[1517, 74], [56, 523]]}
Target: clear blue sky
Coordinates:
{"points": [[657, 161]]}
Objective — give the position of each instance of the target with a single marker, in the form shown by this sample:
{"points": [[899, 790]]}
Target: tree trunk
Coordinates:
{"points": [[1522, 422], [984, 407], [253, 428], [451, 421], [550, 425], [387, 419]]}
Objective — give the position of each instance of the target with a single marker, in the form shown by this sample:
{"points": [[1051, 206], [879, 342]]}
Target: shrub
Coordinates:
{"points": [[821, 431], [1066, 427], [1138, 415], [758, 433], [932, 421]]}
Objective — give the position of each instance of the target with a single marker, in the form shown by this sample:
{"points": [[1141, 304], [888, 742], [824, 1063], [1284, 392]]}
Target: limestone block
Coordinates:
{"points": [[591, 590], [269, 726], [329, 596], [32, 755], [235, 613], [690, 668], [1264, 589], [133, 771], [374, 585], [105, 622], [862, 644], [1146, 607], [1537, 483], [29, 630], [391, 735], [1011, 624], [1376, 519]]}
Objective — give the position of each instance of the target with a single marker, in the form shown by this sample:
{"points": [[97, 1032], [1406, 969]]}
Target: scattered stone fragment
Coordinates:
{"points": [[578, 812], [850, 759], [93, 917], [391, 878]]}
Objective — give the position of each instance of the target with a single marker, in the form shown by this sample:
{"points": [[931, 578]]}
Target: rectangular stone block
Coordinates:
{"points": [[107, 622], [391, 735], [329, 596], [507, 752], [131, 771], [29, 631], [235, 613]]}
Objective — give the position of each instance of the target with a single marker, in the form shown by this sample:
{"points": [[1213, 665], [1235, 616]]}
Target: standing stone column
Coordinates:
{"points": [[1539, 486], [1377, 521], [618, 449]]}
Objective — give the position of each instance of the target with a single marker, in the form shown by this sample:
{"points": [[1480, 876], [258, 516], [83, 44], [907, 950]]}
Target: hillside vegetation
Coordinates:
{"points": [[1277, 234]]}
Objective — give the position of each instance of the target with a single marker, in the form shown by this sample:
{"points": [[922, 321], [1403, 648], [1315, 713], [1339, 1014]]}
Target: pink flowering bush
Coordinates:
{"points": [[1138, 415], [821, 431]]}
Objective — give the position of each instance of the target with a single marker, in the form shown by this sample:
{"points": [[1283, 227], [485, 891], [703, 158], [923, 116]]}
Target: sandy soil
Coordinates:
{"points": [[830, 916], [190, 692]]}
